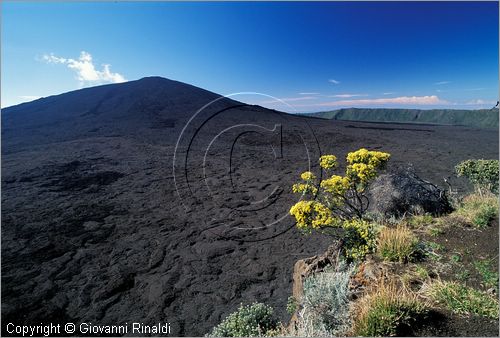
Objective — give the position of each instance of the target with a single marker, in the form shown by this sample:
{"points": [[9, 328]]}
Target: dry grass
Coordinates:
{"points": [[385, 310], [397, 244]]}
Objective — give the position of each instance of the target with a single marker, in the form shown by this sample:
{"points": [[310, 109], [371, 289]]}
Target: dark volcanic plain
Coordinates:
{"points": [[94, 230]]}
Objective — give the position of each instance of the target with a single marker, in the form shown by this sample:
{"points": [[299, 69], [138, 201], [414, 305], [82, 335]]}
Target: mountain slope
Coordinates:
{"points": [[125, 109], [483, 118]]}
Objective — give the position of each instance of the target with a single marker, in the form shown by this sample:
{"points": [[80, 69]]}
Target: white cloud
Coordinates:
{"points": [[347, 95], [85, 69], [440, 83], [306, 93], [388, 93], [334, 81]]}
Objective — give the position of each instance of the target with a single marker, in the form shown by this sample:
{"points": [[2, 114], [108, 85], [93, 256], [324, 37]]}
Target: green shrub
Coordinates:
{"points": [[462, 299], [479, 209], [484, 215], [386, 310], [397, 244], [489, 275], [482, 173], [325, 310], [249, 321], [291, 305]]}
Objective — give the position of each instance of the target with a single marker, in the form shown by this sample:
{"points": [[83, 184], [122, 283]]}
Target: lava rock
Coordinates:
{"points": [[403, 192]]}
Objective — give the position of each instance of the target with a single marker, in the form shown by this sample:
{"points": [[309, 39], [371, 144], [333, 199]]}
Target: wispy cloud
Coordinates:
{"points": [[402, 100], [388, 93], [480, 101], [289, 99], [334, 81], [440, 83], [85, 69], [347, 95], [307, 93]]}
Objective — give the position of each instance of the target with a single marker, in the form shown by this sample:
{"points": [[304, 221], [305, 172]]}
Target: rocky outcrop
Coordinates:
{"points": [[403, 192], [306, 267], [309, 266]]}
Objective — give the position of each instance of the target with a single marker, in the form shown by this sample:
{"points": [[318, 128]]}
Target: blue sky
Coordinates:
{"points": [[314, 56]]}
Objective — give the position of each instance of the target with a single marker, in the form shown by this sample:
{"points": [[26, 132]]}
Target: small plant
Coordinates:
{"points": [[414, 276], [386, 310], [340, 201], [434, 231], [324, 306], [397, 244], [249, 321], [456, 258], [430, 250], [462, 275], [418, 221], [291, 305], [479, 209], [434, 246], [462, 299], [490, 276], [482, 173], [421, 272]]}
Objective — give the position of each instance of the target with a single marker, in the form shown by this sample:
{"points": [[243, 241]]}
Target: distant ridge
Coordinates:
{"points": [[482, 118]]}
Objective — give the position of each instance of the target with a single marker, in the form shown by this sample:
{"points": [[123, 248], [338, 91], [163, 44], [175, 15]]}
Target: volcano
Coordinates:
{"points": [[157, 201]]}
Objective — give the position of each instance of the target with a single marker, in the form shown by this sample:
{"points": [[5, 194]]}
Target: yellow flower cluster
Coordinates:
{"points": [[363, 164], [336, 185], [304, 188], [307, 176], [360, 238], [311, 214], [328, 162], [373, 158], [361, 171]]}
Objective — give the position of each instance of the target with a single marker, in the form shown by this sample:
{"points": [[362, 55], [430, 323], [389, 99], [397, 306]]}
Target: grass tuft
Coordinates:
{"points": [[386, 310], [418, 221], [479, 209], [397, 244], [463, 299]]}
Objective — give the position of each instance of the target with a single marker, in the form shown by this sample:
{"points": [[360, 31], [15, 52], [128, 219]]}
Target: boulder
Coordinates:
{"points": [[403, 192]]}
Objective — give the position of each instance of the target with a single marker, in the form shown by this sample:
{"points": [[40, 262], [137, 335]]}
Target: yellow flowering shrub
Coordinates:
{"points": [[304, 188], [311, 215], [328, 162], [360, 238], [307, 176], [340, 201], [363, 165]]}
